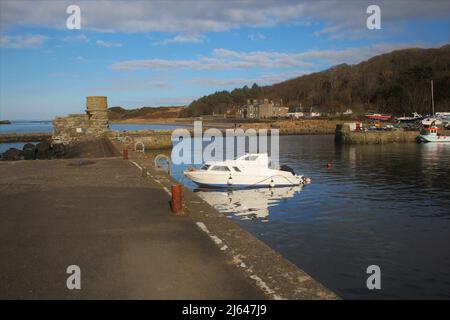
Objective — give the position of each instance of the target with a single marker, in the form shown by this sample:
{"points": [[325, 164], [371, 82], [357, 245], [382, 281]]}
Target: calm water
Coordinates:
{"points": [[46, 126], [384, 205], [26, 127]]}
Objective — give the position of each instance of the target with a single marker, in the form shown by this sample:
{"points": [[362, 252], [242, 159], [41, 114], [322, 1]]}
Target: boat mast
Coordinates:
{"points": [[432, 98]]}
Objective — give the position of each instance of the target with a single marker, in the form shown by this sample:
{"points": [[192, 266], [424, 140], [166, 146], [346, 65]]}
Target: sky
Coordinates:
{"points": [[162, 53]]}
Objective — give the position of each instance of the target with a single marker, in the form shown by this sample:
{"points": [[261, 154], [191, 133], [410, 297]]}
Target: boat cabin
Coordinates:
{"points": [[251, 160]]}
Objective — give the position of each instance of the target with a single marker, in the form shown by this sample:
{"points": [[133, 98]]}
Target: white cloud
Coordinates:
{"points": [[212, 16], [265, 79], [224, 59], [107, 44], [181, 38], [80, 59], [221, 59], [22, 42], [76, 38], [256, 36]]}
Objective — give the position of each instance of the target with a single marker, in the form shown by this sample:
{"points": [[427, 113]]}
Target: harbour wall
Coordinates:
{"points": [[344, 135], [162, 139], [25, 137]]}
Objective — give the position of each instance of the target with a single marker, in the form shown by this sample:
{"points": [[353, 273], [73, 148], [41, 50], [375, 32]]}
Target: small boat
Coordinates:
{"points": [[429, 132], [445, 117], [249, 170], [415, 117], [377, 116]]}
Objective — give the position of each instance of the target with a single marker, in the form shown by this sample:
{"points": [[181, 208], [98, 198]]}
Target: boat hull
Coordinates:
{"points": [[428, 138], [242, 181], [377, 117]]}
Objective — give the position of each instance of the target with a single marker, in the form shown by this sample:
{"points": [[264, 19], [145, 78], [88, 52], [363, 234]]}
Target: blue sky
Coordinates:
{"points": [[151, 53]]}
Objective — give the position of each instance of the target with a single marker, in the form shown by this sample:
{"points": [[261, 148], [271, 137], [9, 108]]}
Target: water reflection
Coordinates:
{"points": [[247, 204]]}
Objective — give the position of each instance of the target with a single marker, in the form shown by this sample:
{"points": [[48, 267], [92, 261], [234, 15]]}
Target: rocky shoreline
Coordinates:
{"points": [[94, 148]]}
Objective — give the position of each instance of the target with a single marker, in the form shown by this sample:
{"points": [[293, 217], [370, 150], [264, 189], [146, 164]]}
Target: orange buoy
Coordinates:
{"points": [[177, 198], [329, 165]]}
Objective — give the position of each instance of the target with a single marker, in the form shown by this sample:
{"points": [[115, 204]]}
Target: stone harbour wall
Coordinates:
{"points": [[344, 135], [79, 127]]}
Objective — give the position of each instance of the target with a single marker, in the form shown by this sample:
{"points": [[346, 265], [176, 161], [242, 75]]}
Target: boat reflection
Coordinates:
{"points": [[247, 204]]}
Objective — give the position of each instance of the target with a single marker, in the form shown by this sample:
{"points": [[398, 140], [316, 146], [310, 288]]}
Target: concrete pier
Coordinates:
{"points": [[101, 215]]}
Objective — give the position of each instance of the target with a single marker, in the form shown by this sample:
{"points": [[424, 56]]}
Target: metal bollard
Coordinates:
{"points": [[177, 198], [125, 154]]}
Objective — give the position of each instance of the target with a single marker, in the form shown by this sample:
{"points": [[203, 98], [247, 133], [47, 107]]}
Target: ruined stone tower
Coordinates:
{"points": [[77, 127], [97, 111]]}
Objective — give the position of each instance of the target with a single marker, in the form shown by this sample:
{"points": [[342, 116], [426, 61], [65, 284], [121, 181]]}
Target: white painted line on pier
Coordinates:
{"points": [[148, 174], [239, 263], [136, 164], [213, 237], [263, 286]]}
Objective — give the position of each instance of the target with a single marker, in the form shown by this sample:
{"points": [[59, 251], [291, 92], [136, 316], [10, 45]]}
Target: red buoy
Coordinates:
{"points": [[125, 154], [177, 198], [329, 165]]}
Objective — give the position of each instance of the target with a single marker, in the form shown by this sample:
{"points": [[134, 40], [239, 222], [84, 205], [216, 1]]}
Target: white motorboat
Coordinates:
{"points": [[415, 117], [249, 170]]}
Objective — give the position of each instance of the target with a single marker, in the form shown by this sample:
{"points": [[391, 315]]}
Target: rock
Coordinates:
{"points": [[12, 154], [28, 146], [43, 151], [59, 150], [29, 151]]}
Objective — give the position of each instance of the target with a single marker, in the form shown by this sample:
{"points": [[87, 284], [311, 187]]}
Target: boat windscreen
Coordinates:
{"points": [[220, 168]]}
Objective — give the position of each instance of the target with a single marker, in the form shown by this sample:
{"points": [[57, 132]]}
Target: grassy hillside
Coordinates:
{"points": [[397, 82]]}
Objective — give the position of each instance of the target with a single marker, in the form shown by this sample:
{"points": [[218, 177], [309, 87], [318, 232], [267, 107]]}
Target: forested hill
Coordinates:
{"points": [[397, 82], [120, 114]]}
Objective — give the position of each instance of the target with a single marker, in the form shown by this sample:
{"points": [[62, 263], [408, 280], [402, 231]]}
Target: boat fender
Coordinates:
{"points": [[272, 183], [230, 180]]}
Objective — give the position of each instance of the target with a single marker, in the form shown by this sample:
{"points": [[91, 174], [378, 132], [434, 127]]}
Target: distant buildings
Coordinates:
{"points": [[301, 113], [262, 109], [267, 109]]}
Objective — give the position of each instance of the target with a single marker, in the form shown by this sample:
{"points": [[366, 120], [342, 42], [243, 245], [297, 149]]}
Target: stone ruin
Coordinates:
{"points": [[78, 127]]}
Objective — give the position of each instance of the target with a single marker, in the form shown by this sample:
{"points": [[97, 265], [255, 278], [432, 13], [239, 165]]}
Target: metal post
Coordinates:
{"points": [[177, 198], [432, 97]]}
